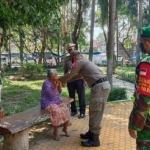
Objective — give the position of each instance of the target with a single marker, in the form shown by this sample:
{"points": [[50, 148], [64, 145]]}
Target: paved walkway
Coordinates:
{"points": [[127, 85], [114, 134]]}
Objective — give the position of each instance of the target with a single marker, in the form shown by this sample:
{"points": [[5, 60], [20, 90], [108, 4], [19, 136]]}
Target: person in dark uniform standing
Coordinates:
{"points": [[75, 86], [100, 89]]}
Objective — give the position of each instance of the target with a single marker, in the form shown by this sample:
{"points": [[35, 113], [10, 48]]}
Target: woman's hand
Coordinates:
{"points": [[58, 85]]}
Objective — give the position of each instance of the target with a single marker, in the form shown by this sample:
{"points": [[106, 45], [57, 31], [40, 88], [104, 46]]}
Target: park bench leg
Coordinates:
{"points": [[69, 121], [17, 141]]}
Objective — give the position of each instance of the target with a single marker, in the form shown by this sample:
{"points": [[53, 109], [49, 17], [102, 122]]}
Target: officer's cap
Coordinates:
{"points": [[71, 45], [74, 53]]}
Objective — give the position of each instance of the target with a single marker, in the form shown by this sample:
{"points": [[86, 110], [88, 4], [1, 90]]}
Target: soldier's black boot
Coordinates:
{"points": [[93, 141], [86, 135]]}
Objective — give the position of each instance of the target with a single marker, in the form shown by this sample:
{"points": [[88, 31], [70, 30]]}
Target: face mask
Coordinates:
{"points": [[69, 50]]}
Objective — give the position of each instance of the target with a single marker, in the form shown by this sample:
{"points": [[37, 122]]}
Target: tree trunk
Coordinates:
{"points": [[70, 21], [105, 36], [1, 43], [44, 35], [138, 28], [21, 35], [0, 59], [110, 46], [64, 32], [58, 62], [9, 54], [78, 24], [92, 30]]}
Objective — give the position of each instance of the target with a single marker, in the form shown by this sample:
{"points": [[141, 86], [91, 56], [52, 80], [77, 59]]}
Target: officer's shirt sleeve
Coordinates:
{"points": [[74, 71], [69, 65]]}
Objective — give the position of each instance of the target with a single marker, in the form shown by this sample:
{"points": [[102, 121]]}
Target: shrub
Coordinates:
{"points": [[32, 69], [126, 73], [117, 94]]}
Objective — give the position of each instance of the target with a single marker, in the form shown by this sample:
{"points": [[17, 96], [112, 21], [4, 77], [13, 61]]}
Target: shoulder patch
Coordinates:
{"points": [[143, 83]]}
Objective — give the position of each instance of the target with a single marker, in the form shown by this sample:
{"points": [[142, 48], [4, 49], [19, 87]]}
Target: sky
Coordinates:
{"points": [[97, 31]]}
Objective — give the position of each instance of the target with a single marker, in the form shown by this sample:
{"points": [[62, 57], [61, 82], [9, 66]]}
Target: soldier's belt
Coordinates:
{"points": [[101, 80]]}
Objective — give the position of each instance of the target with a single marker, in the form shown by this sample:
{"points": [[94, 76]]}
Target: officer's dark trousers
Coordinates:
{"points": [[77, 85]]}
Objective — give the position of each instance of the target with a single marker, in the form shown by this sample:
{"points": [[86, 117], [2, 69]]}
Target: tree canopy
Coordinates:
{"points": [[22, 12]]}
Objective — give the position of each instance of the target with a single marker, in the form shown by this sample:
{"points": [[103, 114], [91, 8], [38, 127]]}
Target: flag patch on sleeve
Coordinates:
{"points": [[143, 72]]}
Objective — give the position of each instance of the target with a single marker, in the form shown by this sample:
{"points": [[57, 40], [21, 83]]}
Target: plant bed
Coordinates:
{"points": [[117, 94]]}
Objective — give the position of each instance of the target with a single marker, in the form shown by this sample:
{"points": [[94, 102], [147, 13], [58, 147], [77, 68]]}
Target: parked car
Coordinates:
{"points": [[104, 61], [120, 60], [15, 65]]}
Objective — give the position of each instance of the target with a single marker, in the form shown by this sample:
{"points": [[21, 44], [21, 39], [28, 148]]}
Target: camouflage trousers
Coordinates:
{"points": [[139, 120], [143, 137]]}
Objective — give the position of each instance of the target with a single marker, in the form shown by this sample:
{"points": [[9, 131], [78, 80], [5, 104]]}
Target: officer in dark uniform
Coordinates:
{"points": [[100, 89], [75, 86]]}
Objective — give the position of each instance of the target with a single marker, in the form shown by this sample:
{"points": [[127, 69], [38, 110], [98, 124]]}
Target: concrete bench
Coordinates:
{"points": [[15, 128]]}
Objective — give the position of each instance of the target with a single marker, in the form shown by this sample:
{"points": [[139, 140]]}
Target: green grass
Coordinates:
{"points": [[126, 73], [18, 96]]}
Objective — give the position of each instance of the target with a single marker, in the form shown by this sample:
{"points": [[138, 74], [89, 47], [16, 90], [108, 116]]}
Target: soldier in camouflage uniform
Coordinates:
{"points": [[139, 120]]}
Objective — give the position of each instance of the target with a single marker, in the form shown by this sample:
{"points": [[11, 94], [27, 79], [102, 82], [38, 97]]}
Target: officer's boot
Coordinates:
{"points": [[86, 135], [93, 141]]}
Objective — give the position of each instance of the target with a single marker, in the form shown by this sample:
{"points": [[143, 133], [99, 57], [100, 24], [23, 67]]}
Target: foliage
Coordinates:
{"points": [[117, 93], [103, 4], [31, 70], [18, 96], [126, 73], [17, 12], [129, 43], [146, 14], [131, 7]]}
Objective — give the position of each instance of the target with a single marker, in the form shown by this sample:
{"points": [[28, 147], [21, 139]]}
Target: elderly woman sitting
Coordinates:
{"points": [[50, 100]]}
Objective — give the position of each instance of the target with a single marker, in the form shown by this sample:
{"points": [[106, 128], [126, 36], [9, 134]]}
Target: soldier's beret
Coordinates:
{"points": [[74, 53], [145, 37], [145, 31]]}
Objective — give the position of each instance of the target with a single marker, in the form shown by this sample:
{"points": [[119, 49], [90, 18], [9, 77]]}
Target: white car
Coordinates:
{"points": [[15, 65]]}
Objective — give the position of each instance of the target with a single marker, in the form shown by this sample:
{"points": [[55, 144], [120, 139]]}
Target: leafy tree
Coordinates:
{"points": [[82, 6], [146, 13], [35, 13], [92, 30], [110, 44], [131, 9]]}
